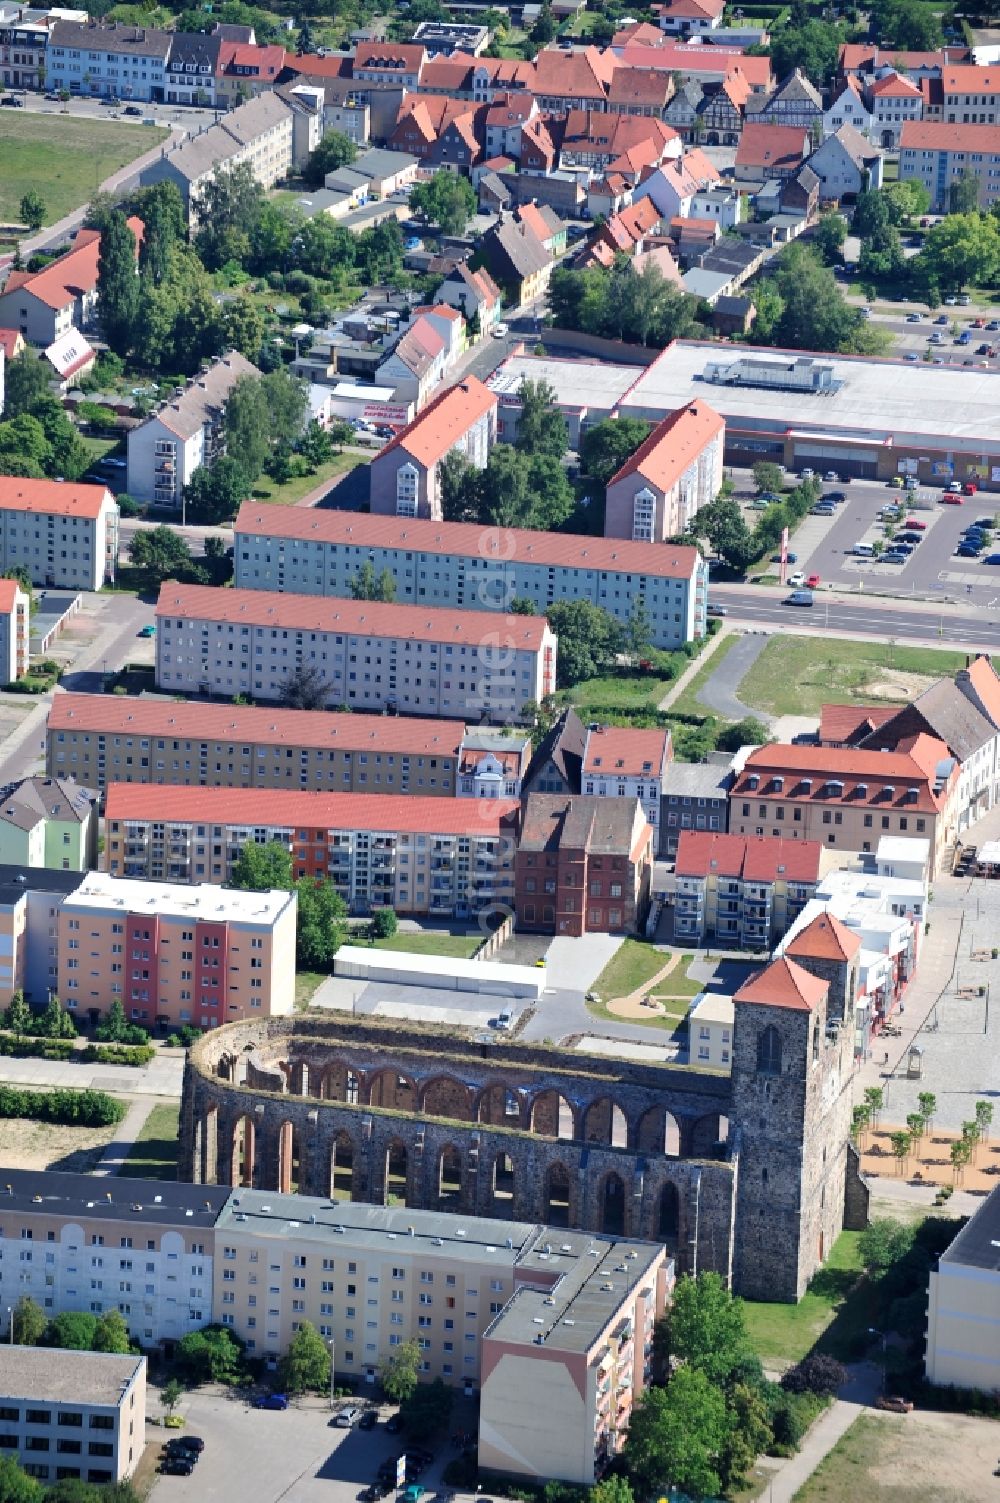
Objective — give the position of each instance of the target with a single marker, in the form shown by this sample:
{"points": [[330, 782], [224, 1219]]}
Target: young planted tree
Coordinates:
{"points": [[927, 1102], [860, 1119], [984, 1116], [901, 1146], [874, 1100], [30, 1321]]}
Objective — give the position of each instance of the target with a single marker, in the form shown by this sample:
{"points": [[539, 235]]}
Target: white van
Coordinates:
{"points": [[348, 1418], [863, 550]]}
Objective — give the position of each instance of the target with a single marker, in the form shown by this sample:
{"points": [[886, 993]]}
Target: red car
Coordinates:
{"points": [[950, 499], [812, 583], [969, 488], [979, 323], [914, 525]]}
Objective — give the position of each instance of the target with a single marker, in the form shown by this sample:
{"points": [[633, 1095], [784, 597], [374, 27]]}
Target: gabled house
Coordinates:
{"points": [[192, 67], [597, 139], [674, 184], [244, 71], [404, 476], [675, 472], [474, 292], [415, 365], [770, 153], [684, 108], [690, 17], [795, 101], [574, 80], [45, 305], [845, 164], [847, 108], [518, 261], [640, 91], [390, 62], [894, 101], [723, 111], [622, 235], [545, 224], [539, 150], [504, 121]]}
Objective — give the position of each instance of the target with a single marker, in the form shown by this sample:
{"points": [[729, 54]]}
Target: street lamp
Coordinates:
{"points": [[331, 1343], [874, 1331], [10, 1312]]}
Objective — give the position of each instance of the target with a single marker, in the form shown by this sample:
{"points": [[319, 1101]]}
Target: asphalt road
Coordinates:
{"points": [[884, 620]]}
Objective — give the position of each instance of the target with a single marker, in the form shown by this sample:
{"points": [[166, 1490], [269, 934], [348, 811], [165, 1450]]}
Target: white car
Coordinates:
{"points": [[500, 331], [796, 579], [808, 474]]}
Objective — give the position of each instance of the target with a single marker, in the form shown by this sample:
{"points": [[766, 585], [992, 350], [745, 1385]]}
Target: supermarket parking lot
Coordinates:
{"points": [[260, 1456]]}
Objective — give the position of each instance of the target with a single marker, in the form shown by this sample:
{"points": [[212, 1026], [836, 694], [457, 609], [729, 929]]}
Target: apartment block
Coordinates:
{"points": [[848, 798], [65, 534], [939, 154], [963, 1305], [695, 797], [740, 892], [370, 655], [117, 61], [14, 630], [187, 432], [710, 1022], [143, 1247], [99, 739], [671, 476], [970, 95], [445, 857], [405, 475], [69, 1414], [460, 564], [260, 132], [171, 954], [583, 865], [48, 822], [30, 899], [624, 762]]}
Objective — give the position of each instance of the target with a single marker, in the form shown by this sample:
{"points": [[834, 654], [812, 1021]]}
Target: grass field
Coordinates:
{"points": [[688, 702], [619, 691], [306, 985], [631, 967], [924, 1457], [153, 1155], [292, 491], [458, 946], [65, 158], [797, 675], [785, 1333]]}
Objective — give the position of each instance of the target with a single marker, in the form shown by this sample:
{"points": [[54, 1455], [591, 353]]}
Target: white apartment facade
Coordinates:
{"points": [[458, 564], [70, 1243], [117, 61], [70, 1414], [371, 655], [625, 762], [65, 534], [938, 155], [186, 433], [14, 631], [710, 1031]]}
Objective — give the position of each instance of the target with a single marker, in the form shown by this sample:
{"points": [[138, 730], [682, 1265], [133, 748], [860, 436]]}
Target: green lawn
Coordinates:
{"points": [[631, 967], [64, 158], [306, 984], [785, 1333], [154, 1153], [429, 942], [620, 691], [292, 491], [797, 675], [668, 1021]]}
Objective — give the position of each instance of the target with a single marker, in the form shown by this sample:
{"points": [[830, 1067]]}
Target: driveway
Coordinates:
{"points": [[718, 694]]}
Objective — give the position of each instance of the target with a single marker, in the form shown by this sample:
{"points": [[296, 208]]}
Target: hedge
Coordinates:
{"points": [[35, 1048], [119, 1054], [71, 1108]]}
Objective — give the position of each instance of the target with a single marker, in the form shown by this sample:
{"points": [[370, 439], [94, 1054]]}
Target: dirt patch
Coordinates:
{"points": [[930, 1161], [42, 1145], [899, 688], [923, 1457]]}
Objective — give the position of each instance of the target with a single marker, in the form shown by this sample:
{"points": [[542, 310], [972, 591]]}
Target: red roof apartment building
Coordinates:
{"points": [[64, 534], [628, 762], [741, 892], [404, 477], [583, 865], [938, 154], [447, 858], [848, 798], [370, 655], [671, 476], [99, 739]]}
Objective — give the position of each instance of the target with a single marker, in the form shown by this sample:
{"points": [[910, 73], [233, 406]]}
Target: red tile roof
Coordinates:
{"points": [[8, 595], [573, 75], [826, 938], [828, 774], [444, 421], [755, 858], [783, 984], [56, 497], [468, 539], [627, 750], [893, 86], [252, 725], [695, 8], [935, 135], [369, 618], [389, 57], [700, 61], [843, 725], [771, 146], [292, 807], [862, 56], [673, 446], [969, 79], [11, 339], [984, 680], [268, 61], [72, 275]]}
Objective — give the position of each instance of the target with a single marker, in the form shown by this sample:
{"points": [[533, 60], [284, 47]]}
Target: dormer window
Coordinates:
{"points": [[913, 794], [888, 791], [753, 781]]}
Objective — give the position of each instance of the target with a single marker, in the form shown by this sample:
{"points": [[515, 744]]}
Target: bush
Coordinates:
{"points": [[119, 1054], [817, 1374], [791, 1417], [33, 1048], [183, 1037], [67, 1107]]}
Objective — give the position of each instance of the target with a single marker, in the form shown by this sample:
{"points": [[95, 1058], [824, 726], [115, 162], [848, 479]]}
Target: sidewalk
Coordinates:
{"points": [[162, 1077], [860, 1390], [113, 1158]]}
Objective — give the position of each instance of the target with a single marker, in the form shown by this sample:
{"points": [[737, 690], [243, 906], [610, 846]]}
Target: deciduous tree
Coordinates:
{"points": [[32, 209], [335, 150], [446, 200], [305, 688], [676, 1435], [399, 1372], [608, 445], [590, 640], [111, 1333], [263, 868], [117, 284], [159, 553], [305, 1367], [30, 1321]]}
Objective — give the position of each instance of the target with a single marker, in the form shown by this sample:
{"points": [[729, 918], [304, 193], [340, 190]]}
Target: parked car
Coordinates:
{"points": [[131, 109], [368, 1420], [812, 582], [823, 511], [12, 103], [967, 550], [889, 557], [791, 558], [176, 1466], [413, 1493], [992, 558], [271, 1401], [808, 474], [837, 497], [501, 330], [716, 610], [394, 1423], [942, 318], [915, 525], [374, 1492], [191, 1443], [913, 318], [146, 631], [894, 1403], [798, 578], [951, 498], [830, 475], [970, 488]]}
